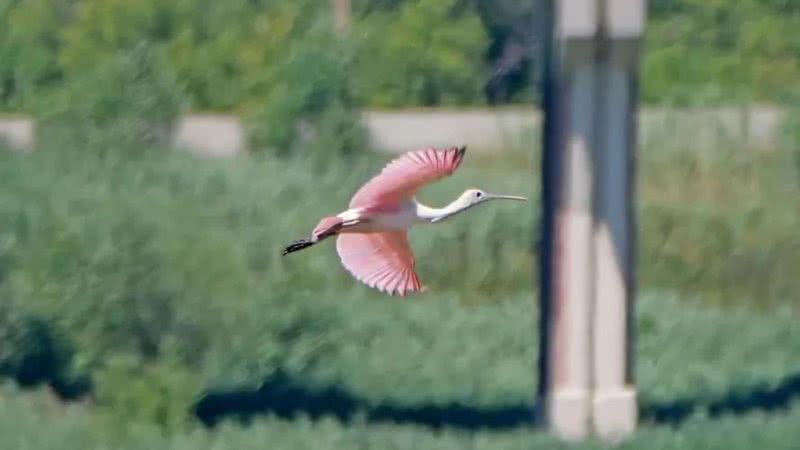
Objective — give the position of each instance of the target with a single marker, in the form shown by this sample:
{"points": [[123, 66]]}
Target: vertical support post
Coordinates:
{"points": [[569, 94], [590, 83], [614, 408], [341, 15]]}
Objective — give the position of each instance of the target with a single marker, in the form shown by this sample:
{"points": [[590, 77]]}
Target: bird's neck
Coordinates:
{"points": [[433, 215]]}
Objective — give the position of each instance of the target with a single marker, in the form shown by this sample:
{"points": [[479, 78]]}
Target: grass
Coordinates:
{"points": [[721, 224], [160, 278], [708, 378]]}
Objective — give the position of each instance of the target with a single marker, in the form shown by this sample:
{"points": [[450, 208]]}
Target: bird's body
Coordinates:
{"points": [[392, 217], [375, 219], [372, 234]]}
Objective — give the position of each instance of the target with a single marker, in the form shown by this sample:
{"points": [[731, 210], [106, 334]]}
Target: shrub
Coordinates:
{"points": [[29, 50], [30, 350], [689, 365], [429, 52], [700, 235], [311, 109], [174, 264], [127, 103], [790, 131], [166, 257], [133, 391], [120, 273]]}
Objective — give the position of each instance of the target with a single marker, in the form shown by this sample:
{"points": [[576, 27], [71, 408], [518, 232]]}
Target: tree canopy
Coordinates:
{"points": [[406, 52]]}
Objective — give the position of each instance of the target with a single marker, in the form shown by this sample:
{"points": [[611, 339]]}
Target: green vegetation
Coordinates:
{"points": [[312, 107], [128, 103], [73, 428], [408, 58], [143, 277], [721, 224], [701, 51], [724, 375], [144, 281], [147, 286], [228, 54]]}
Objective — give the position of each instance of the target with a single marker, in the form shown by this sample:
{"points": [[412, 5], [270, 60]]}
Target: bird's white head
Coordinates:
{"points": [[470, 198]]}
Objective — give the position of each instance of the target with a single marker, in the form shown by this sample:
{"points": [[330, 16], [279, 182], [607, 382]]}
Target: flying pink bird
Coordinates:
{"points": [[372, 235]]}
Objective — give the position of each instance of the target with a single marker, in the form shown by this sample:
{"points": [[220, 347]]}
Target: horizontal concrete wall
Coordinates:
{"points": [[488, 129], [211, 135], [17, 132], [659, 128], [482, 129]]}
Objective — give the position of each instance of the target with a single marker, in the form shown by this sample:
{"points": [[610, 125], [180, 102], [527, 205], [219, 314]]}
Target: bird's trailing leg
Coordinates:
{"points": [[327, 227], [298, 245]]}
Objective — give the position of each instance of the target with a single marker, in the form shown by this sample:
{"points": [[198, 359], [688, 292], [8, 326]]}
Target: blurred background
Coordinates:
{"points": [[157, 156]]}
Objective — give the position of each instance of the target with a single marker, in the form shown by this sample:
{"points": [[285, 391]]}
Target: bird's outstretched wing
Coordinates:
{"points": [[380, 260], [402, 177]]}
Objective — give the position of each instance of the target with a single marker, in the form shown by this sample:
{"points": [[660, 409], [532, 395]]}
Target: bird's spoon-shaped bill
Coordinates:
{"points": [[506, 197]]}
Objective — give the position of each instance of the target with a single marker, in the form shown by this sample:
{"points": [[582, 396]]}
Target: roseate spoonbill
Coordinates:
{"points": [[372, 235]]}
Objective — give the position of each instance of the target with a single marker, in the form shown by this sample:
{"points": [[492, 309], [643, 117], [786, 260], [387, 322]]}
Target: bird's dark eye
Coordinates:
{"points": [[478, 194]]}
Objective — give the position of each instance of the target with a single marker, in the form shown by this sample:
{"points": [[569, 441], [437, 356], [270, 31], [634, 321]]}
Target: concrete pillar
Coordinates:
{"points": [[342, 15], [614, 409], [588, 232]]}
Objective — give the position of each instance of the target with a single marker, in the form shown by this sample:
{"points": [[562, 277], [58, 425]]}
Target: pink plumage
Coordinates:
{"points": [[404, 176], [372, 235], [380, 260], [385, 260], [328, 225]]}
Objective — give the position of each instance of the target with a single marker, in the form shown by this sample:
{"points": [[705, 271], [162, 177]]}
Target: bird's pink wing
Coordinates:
{"points": [[402, 177], [380, 260]]}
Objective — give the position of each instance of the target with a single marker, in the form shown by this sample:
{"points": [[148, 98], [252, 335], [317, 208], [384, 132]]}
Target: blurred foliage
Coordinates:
{"points": [[128, 102], [74, 428], [30, 350], [30, 42], [703, 233], [228, 55], [156, 393], [167, 268], [424, 53], [691, 360], [164, 256], [701, 51], [789, 132], [311, 107], [146, 282]]}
